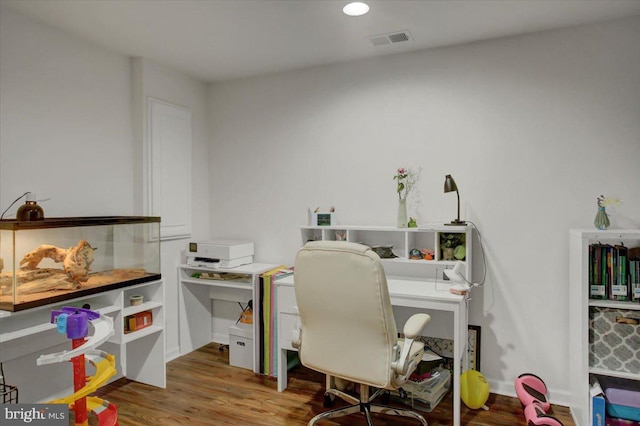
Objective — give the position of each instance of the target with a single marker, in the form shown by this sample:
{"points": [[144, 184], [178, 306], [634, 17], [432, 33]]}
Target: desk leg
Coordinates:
{"points": [[282, 369], [457, 345]]}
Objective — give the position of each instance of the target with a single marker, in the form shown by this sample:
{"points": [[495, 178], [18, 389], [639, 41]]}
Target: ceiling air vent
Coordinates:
{"points": [[391, 38]]}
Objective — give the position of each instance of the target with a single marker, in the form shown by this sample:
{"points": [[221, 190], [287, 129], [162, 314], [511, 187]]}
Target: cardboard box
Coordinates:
{"points": [[138, 321]]}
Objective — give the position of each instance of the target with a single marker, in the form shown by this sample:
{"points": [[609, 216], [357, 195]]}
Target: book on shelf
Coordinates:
{"points": [[634, 273], [596, 403], [614, 272], [597, 264]]}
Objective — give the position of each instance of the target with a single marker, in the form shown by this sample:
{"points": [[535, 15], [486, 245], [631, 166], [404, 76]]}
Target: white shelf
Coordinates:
{"points": [[26, 332], [220, 283], [108, 310], [135, 335], [199, 324], [445, 263], [47, 326], [611, 373], [429, 227], [403, 240], [615, 304], [38, 335], [145, 306], [579, 315], [248, 269]]}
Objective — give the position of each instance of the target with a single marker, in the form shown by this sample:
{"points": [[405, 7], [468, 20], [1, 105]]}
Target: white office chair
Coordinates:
{"points": [[347, 326]]}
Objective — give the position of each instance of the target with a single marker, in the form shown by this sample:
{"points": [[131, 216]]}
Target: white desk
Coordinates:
{"points": [[422, 295], [195, 312]]}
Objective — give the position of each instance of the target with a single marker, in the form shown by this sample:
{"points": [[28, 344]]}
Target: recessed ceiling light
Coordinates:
{"points": [[356, 9]]}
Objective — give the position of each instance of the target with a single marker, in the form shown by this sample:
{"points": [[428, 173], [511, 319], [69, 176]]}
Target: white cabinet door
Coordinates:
{"points": [[169, 168]]}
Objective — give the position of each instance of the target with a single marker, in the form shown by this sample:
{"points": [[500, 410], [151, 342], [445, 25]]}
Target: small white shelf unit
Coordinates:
{"points": [[579, 315], [403, 241], [140, 355], [200, 322]]}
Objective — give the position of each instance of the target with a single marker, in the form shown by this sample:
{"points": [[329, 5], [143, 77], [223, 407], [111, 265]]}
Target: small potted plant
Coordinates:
{"points": [[452, 246]]}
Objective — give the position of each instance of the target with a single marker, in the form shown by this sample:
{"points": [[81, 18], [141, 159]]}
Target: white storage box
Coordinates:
{"points": [[221, 249], [241, 345]]}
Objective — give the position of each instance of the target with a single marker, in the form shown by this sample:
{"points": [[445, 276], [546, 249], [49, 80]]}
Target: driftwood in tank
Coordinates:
{"points": [[37, 280], [75, 275], [76, 260], [32, 281]]}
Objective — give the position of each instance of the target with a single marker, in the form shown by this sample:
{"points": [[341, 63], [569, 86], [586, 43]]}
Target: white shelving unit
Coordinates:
{"points": [[414, 284], [403, 241], [140, 355], [579, 315], [200, 323]]}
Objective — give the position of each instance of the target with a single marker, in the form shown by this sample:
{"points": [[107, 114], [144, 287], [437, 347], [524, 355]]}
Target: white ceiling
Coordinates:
{"points": [[215, 40]]}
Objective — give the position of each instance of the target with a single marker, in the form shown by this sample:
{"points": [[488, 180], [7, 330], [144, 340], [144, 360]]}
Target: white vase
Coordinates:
{"points": [[402, 221]]}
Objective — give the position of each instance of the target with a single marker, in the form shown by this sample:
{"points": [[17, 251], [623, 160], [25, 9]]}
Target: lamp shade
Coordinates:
{"points": [[450, 184]]}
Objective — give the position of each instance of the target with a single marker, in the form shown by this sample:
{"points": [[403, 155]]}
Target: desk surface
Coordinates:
{"points": [[416, 289]]}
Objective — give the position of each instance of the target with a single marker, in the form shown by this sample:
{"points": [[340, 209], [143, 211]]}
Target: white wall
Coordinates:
{"points": [[65, 122], [533, 129], [70, 117], [160, 82]]}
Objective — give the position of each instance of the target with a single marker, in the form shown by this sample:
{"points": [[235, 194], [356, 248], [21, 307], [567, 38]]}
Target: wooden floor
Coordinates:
{"points": [[203, 389]]}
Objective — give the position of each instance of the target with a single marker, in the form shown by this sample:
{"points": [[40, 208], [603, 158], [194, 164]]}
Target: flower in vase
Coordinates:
{"points": [[406, 179], [608, 201]]}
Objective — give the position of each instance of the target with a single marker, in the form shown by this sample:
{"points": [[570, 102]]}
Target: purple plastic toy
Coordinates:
{"points": [[73, 321]]}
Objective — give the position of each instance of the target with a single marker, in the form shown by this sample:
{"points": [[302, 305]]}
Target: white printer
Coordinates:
{"points": [[219, 253]]}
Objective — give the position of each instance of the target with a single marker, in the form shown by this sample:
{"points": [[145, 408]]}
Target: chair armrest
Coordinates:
{"points": [[415, 324], [295, 339], [412, 328]]}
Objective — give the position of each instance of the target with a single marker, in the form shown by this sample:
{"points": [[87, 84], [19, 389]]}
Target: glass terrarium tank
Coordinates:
{"points": [[57, 259]]}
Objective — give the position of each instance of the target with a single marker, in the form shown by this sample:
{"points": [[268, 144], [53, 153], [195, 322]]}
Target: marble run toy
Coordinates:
{"points": [[74, 322]]}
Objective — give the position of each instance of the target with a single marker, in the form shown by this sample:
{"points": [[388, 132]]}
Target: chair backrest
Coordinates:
{"points": [[348, 328]]}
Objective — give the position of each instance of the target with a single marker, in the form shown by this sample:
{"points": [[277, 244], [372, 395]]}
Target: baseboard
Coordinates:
{"points": [[573, 416], [507, 389], [172, 354]]}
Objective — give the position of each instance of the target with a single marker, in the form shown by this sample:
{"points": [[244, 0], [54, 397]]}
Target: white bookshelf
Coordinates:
{"points": [[403, 240], [579, 316], [29, 333], [200, 322]]}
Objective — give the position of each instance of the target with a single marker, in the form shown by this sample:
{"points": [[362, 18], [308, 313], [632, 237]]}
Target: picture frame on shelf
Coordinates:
{"points": [[444, 348], [321, 218]]}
